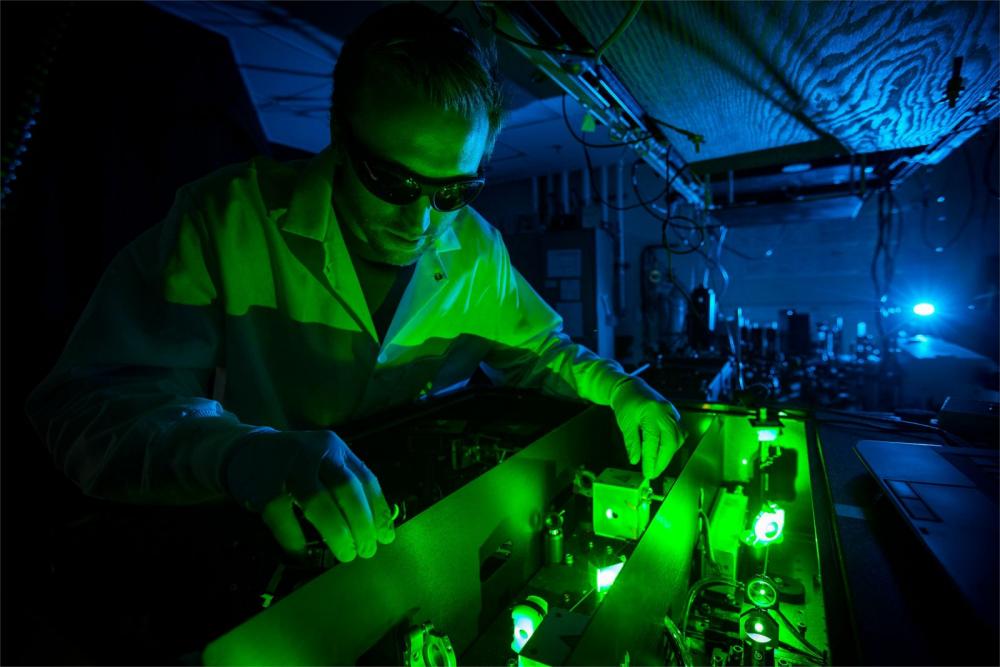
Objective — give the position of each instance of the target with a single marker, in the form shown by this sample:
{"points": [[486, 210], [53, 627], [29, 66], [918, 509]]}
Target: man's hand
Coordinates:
{"points": [[339, 495], [649, 423]]}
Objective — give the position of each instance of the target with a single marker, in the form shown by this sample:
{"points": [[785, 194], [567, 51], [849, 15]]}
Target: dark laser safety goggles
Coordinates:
{"points": [[396, 185]]}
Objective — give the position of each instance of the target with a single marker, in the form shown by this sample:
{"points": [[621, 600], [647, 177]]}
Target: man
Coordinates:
{"points": [[300, 295]]}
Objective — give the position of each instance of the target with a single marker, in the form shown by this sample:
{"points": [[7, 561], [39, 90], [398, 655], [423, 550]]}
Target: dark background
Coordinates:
{"points": [[129, 103]]}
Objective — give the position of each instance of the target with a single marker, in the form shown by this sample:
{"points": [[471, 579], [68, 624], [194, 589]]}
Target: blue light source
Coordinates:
{"points": [[796, 168], [924, 309]]}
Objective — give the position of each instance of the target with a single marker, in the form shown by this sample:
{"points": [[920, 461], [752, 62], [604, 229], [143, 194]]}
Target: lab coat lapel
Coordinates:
{"points": [[321, 248], [412, 322]]}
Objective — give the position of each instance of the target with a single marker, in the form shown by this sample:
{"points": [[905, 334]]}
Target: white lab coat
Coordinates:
{"points": [[242, 310]]}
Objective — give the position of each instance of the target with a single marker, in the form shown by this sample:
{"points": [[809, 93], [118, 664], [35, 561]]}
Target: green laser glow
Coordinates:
{"points": [[768, 526], [767, 435], [527, 617], [607, 575]]}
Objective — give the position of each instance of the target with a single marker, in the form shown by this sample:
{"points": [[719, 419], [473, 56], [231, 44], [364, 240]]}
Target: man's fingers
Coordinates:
{"points": [[650, 449], [633, 446], [345, 488], [280, 519], [669, 444], [322, 512], [630, 434], [385, 532]]}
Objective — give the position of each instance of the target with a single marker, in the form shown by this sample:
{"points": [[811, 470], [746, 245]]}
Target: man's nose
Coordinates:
{"points": [[416, 217]]}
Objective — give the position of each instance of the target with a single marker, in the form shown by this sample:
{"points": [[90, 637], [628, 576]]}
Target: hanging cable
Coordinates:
{"points": [[619, 31]]}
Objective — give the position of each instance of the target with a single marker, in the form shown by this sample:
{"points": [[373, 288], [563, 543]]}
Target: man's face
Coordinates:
{"points": [[396, 125]]}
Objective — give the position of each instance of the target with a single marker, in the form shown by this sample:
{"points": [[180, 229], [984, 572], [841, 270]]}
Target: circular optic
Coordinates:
{"points": [[767, 530], [760, 627], [762, 592]]}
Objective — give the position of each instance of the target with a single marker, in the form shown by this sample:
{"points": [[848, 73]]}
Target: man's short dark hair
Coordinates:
{"points": [[413, 43]]}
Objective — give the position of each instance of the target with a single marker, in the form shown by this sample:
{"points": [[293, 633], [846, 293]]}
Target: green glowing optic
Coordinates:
{"points": [[767, 527], [610, 513], [745, 462], [527, 617], [761, 628], [767, 435], [762, 592], [607, 575]]}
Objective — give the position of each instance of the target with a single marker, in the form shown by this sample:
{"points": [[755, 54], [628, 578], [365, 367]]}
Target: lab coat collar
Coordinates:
{"points": [[310, 214], [309, 210]]}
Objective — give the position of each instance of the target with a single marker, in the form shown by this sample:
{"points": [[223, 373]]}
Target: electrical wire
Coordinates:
{"points": [[596, 197], [677, 638], [635, 182], [788, 648], [619, 31], [703, 516], [722, 231], [798, 635], [695, 590], [669, 223]]}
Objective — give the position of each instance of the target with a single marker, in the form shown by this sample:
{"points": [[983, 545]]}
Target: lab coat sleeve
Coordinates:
{"points": [[530, 349], [123, 413]]}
